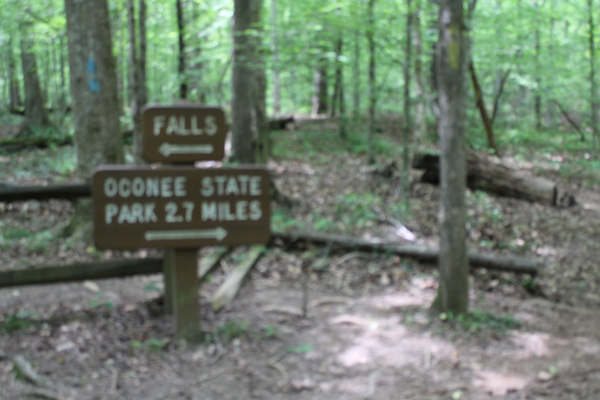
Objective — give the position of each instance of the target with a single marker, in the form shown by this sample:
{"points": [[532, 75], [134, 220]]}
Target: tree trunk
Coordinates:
{"points": [[407, 136], [320, 84], [593, 118], [420, 128], [372, 94], [93, 86], [62, 100], [276, 75], [143, 91], [134, 82], [95, 98], [14, 92], [249, 126], [181, 65], [487, 123], [453, 291], [337, 86], [35, 113], [538, 80], [356, 73]]}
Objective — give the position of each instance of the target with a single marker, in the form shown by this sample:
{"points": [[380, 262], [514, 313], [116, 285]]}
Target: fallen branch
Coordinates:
{"points": [[420, 252], [24, 369], [16, 144], [80, 272], [570, 120], [206, 264], [10, 192], [229, 289]]}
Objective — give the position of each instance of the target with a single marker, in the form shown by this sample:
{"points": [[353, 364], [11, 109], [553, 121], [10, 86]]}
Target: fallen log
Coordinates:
{"points": [[495, 177], [280, 124], [229, 289], [9, 192], [80, 272], [16, 144], [419, 252]]}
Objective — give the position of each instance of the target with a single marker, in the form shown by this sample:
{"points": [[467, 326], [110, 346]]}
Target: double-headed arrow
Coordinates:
{"points": [[166, 149], [217, 233]]}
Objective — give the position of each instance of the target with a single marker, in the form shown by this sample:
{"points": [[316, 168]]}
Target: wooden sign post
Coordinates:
{"points": [[181, 208]]}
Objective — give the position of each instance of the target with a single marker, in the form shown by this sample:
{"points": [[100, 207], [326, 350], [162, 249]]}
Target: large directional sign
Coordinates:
{"points": [[180, 207], [183, 133]]}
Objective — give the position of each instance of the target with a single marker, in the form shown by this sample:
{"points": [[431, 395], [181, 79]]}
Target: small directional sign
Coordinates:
{"points": [[183, 133], [180, 207]]}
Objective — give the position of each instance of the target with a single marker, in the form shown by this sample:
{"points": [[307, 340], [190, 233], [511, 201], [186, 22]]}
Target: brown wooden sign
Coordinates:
{"points": [[180, 207], [183, 133]]}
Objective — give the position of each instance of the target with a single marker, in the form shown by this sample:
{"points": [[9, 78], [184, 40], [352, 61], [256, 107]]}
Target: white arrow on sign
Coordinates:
{"points": [[218, 234], [166, 149]]}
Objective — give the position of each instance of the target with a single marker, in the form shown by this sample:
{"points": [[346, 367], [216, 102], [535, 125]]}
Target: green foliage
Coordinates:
{"points": [[282, 221], [270, 331], [301, 348], [18, 321], [479, 321], [102, 300], [153, 344], [232, 329]]}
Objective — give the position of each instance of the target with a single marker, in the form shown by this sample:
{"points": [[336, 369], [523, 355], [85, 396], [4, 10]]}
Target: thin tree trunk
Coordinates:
{"points": [[593, 118], [134, 81], [372, 94], [276, 74], [62, 100], [181, 65], [453, 291], [482, 109], [143, 91], [407, 136], [538, 80], [320, 86], [356, 73], [35, 113], [499, 90], [15, 95], [421, 103], [337, 87]]}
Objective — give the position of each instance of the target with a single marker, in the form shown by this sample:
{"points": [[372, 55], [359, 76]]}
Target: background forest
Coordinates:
{"points": [[531, 58]]}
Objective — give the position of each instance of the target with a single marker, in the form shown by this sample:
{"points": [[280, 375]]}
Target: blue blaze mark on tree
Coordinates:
{"points": [[95, 85], [91, 66]]}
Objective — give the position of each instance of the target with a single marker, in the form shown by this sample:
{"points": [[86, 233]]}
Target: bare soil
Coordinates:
{"points": [[368, 333]]}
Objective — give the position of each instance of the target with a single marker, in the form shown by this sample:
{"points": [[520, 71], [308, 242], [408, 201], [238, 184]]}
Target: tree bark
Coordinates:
{"points": [[356, 73], [453, 291], [134, 82], [337, 85], [320, 86], [421, 102], [592, 48], [570, 120], [372, 94], [249, 126], [493, 177], [275, 48], [95, 98], [35, 113], [487, 123], [14, 92], [181, 59], [407, 134]]}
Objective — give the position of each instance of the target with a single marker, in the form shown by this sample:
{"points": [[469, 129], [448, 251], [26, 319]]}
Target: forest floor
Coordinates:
{"points": [[368, 333]]}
